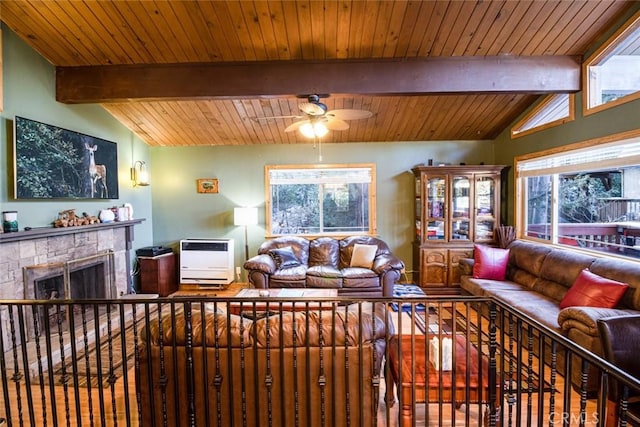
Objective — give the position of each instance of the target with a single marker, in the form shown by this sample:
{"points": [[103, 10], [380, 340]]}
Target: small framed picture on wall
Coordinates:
{"points": [[207, 185]]}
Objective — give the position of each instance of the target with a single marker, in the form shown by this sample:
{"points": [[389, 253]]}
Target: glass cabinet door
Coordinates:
{"points": [[436, 199], [485, 201], [460, 208], [418, 208]]}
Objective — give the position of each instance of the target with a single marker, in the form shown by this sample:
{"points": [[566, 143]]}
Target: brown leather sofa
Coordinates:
{"points": [[325, 262], [293, 368], [539, 276]]}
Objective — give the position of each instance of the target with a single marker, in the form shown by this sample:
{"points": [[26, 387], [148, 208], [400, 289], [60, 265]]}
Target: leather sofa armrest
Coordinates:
{"points": [[262, 262], [586, 318], [386, 262], [465, 265]]}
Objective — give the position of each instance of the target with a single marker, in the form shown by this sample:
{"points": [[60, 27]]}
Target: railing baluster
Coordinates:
{"points": [[37, 332], [217, 378], [492, 364], [322, 380], [296, 391]]}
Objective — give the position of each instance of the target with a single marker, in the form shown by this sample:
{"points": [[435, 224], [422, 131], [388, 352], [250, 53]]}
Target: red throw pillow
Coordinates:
{"points": [[489, 263], [592, 290]]}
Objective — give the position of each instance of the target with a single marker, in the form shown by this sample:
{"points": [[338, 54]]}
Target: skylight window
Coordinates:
{"points": [[612, 73], [554, 110]]}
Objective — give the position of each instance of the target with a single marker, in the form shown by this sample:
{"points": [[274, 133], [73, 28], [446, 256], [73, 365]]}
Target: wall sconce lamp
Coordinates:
{"points": [[139, 174], [245, 217]]}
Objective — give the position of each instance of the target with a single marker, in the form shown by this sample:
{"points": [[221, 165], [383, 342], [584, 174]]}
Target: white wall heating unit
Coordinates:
{"points": [[207, 262]]}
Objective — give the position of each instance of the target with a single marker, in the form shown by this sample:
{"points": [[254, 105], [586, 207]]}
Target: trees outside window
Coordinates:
{"points": [[314, 200], [587, 197]]}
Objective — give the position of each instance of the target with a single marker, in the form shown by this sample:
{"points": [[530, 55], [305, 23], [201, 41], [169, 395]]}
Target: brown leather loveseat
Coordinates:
{"points": [[325, 262], [290, 368]]}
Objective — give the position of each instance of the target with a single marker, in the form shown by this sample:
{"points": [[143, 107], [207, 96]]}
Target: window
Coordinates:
{"points": [[314, 200], [586, 196], [554, 110], [612, 73]]}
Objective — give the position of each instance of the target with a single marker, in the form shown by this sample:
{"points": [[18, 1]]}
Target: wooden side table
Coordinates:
{"points": [[158, 274]]}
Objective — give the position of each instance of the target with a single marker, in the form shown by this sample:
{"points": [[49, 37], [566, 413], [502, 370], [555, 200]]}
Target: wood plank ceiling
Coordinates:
{"points": [[79, 35]]}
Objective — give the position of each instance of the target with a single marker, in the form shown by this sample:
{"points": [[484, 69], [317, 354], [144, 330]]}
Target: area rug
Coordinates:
{"points": [[94, 368], [408, 291], [431, 322]]}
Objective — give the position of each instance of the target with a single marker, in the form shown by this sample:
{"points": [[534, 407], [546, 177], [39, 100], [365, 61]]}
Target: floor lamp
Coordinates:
{"points": [[245, 217]]}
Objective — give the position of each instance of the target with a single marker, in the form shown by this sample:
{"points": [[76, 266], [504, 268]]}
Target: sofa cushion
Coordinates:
{"points": [[486, 287], [324, 251], [324, 276], [562, 266], [291, 274], [527, 256], [284, 257], [300, 246], [363, 255], [356, 277], [537, 306], [489, 263], [592, 290], [348, 243]]}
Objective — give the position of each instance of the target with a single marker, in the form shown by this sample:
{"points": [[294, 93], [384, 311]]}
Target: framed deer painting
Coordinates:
{"points": [[52, 163]]}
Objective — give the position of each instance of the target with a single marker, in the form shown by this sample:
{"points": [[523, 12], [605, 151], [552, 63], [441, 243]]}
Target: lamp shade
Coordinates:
{"points": [[245, 216]]}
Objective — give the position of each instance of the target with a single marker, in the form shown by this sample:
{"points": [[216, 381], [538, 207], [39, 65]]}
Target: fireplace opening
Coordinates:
{"points": [[85, 282]]}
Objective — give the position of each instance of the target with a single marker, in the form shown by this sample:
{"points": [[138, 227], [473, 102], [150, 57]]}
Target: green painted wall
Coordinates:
{"points": [[180, 212], [29, 91]]}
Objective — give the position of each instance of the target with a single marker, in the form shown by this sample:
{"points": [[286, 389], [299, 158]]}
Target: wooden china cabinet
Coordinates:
{"points": [[455, 207]]}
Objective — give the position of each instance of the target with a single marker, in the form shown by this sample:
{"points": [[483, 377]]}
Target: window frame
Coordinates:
{"points": [[372, 228], [521, 205], [540, 108], [600, 54]]}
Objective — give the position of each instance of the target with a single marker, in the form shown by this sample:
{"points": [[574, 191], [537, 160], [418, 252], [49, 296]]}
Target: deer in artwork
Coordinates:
{"points": [[98, 173]]}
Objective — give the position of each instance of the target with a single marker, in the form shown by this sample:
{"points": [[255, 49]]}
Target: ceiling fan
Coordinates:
{"points": [[317, 120]]}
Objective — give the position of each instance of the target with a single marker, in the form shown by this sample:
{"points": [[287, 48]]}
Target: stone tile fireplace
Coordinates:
{"points": [[82, 262]]}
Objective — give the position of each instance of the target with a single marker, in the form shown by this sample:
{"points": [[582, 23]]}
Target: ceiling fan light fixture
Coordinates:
{"points": [[314, 130]]}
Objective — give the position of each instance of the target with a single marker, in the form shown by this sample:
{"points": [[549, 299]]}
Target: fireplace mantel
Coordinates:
{"points": [[44, 232]]}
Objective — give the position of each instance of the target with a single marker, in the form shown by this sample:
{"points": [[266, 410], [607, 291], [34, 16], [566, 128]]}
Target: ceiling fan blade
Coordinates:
{"points": [[276, 117], [295, 126], [350, 114], [336, 124]]}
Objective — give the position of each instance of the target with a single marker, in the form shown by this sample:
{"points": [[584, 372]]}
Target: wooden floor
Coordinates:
{"points": [[93, 402]]}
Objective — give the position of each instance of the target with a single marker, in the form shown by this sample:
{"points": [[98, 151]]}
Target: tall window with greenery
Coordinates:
{"points": [[587, 197], [314, 200]]}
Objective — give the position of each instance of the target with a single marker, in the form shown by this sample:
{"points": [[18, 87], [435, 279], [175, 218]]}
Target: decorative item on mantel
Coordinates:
{"points": [[9, 221], [68, 218]]}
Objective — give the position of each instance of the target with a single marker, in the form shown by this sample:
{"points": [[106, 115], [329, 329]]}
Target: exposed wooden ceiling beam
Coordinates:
{"points": [[451, 75]]}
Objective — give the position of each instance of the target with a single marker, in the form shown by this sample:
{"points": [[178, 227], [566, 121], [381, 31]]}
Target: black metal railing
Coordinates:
{"points": [[294, 362]]}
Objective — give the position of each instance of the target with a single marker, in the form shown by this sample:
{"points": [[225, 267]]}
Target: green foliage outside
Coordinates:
{"points": [[46, 170], [318, 208], [582, 197]]}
